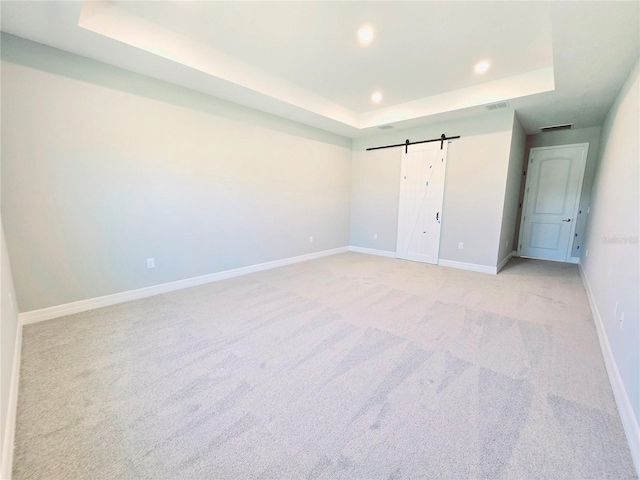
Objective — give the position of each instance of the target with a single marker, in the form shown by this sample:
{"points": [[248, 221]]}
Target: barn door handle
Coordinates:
{"points": [[437, 215], [567, 220]]}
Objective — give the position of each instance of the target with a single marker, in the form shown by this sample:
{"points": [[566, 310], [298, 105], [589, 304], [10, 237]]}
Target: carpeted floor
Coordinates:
{"points": [[351, 366]]}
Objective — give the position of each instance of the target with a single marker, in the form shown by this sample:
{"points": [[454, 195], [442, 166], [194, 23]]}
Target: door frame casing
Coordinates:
{"points": [[575, 209]]}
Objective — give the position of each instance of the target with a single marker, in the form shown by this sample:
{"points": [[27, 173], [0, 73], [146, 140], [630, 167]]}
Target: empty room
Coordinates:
{"points": [[320, 240]]}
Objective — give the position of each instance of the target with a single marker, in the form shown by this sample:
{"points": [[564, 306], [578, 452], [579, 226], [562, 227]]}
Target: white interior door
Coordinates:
{"points": [[422, 177], [554, 183]]}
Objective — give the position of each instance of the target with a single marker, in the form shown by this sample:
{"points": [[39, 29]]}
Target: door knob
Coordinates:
{"points": [[567, 220]]}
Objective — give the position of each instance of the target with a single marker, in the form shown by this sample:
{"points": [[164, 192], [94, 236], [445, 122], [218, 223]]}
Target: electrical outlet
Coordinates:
{"points": [[588, 210], [586, 254], [615, 311], [310, 239], [460, 245], [621, 320], [151, 263], [375, 236]]}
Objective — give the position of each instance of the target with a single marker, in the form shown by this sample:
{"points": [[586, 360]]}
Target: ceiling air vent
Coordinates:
{"points": [[385, 127], [566, 126], [496, 106]]}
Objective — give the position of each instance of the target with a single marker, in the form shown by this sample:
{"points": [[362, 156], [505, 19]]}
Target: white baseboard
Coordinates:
{"points": [[104, 301], [10, 425], [627, 416], [445, 263], [473, 267], [373, 251], [505, 261], [574, 260]]}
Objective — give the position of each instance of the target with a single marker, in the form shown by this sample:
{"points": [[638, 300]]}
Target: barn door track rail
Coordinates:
{"points": [[406, 144]]}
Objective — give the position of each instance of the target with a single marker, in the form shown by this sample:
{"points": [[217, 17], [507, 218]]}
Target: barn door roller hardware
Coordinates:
{"points": [[406, 144]]}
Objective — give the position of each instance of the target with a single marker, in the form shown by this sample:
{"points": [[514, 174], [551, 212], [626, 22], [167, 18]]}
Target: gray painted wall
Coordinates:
{"points": [[108, 168], [567, 137], [474, 194], [612, 268], [512, 191], [8, 329]]}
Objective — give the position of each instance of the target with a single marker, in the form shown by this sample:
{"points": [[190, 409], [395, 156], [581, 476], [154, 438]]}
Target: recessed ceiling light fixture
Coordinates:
{"points": [[365, 34], [376, 97], [481, 67]]}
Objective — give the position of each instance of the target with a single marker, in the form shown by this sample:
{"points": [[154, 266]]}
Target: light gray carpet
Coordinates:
{"points": [[350, 366]]}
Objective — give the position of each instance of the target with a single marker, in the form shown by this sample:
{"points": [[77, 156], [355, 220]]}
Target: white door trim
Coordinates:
{"points": [[578, 196]]}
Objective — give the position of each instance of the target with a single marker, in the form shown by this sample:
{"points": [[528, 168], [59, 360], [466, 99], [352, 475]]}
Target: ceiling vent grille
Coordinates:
{"points": [[496, 106], [385, 127], [566, 126]]}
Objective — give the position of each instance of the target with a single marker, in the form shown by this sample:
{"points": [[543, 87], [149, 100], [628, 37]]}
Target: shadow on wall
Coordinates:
{"points": [[33, 55]]}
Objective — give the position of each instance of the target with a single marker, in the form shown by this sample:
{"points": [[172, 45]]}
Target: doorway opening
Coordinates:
{"points": [[551, 199]]}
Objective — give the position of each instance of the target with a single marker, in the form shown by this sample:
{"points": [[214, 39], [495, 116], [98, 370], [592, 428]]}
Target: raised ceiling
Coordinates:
{"points": [[314, 45], [553, 62]]}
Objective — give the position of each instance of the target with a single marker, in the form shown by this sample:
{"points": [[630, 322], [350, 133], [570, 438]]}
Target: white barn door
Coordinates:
{"points": [[421, 195]]}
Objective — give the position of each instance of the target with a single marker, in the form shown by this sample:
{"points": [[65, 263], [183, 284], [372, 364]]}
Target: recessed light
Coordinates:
{"points": [[376, 97], [365, 35], [481, 67]]}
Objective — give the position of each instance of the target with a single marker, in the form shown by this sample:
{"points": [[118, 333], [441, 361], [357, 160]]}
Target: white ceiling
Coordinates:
{"points": [[561, 62], [314, 44]]}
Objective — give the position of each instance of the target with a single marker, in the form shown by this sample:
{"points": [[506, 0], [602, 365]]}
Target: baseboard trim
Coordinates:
{"points": [[445, 263], [12, 408], [473, 267], [57, 311], [625, 409], [373, 251], [504, 262], [573, 260]]}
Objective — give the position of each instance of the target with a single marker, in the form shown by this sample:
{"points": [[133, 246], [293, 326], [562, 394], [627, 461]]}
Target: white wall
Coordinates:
{"points": [[512, 191], [474, 195], [103, 168], [8, 335], [589, 135], [612, 269]]}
